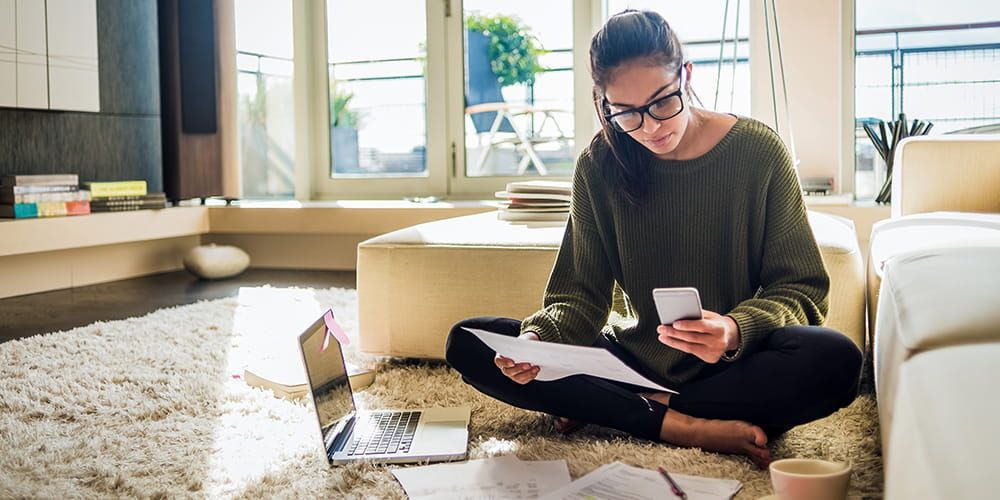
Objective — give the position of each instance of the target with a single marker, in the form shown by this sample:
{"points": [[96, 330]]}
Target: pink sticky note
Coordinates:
{"points": [[333, 328]]}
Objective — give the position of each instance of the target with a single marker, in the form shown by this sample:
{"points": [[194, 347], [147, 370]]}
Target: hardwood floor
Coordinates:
{"points": [[33, 314]]}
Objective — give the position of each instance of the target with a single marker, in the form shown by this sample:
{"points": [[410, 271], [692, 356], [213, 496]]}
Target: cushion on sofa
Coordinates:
{"points": [[946, 172], [923, 231], [838, 244], [943, 441]]}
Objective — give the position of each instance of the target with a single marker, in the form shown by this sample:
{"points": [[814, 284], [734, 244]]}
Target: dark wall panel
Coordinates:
{"points": [[129, 64], [123, 141], [95, 146]]}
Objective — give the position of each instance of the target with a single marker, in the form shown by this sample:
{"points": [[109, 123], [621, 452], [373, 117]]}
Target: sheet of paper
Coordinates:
{"points": [[618, 481], [562, 360], [505, 477]]}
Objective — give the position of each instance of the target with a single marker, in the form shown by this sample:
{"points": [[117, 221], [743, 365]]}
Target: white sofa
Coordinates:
{"points": [[414, 284], [933, 304]]}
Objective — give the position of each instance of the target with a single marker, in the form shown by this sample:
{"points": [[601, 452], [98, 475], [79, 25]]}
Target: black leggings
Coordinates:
{"points": [[797, 374]]}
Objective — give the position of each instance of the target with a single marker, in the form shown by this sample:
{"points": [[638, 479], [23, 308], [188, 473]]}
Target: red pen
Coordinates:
{"points": [[674, 487]]}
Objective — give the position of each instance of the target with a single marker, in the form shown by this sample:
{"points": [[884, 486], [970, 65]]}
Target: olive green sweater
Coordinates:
{"points": [[731, 223]]}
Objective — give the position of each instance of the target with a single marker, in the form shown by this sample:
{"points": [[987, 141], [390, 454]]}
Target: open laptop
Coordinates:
{"points": [[429, 434]]}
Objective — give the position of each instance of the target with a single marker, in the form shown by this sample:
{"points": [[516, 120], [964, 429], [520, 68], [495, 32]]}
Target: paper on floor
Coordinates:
{"points": [[504, 477], [562, 360], [619, 481]]}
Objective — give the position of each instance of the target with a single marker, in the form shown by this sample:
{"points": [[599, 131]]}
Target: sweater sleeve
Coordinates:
{"points": [[577, 298], [794, 284]]}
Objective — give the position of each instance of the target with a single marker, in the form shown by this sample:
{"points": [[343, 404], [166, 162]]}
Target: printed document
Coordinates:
{"points": [[562, 360], [618, 481], [506, 477]]}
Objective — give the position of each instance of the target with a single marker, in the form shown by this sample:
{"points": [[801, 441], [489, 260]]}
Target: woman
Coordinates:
{"points": [[670, 195]]}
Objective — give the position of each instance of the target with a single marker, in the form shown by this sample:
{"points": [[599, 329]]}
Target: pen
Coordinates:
{"points": [[674, 487]]}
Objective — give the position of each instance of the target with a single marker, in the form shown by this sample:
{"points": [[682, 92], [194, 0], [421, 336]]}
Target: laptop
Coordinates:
{"points": [[392, 436]]}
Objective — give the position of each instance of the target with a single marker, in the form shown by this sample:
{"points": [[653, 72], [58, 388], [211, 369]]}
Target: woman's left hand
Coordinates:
{"points": [[708, 338]]}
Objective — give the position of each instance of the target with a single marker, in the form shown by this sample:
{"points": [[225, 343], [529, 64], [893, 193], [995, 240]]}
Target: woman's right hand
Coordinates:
{"points": [[522, 373]]}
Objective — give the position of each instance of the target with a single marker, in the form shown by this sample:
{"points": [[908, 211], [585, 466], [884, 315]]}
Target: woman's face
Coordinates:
{"points": [[637, 83]]}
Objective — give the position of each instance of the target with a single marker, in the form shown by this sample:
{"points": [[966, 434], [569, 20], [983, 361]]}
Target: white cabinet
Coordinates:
{"points": [[8, 63], [72, 42], [30, 52], [48, 54]]}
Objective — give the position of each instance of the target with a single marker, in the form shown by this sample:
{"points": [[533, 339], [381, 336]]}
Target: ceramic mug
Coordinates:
{"points": [[810, 479]]}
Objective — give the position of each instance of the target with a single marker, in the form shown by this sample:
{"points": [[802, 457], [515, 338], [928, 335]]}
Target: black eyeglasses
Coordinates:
{"points": [[661, 109]]}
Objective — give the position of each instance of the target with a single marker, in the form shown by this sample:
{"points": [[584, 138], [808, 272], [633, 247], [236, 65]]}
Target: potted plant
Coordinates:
{"points": [[344, 124], [512, 50], [501, 52]]}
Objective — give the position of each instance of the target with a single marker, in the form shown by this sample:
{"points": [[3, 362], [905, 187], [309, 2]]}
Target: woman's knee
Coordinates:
{"points": [[830, 355], [462, 345], [840, 358], [458, 346]]}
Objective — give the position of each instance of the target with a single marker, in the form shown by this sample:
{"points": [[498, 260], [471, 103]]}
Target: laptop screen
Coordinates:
{"points": [[328, 380]]}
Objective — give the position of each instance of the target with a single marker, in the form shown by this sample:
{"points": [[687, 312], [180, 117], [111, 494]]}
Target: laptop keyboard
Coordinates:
{"points": [[384, 432]]}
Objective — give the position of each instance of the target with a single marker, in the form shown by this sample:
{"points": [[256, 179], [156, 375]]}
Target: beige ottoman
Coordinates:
{"points": [[414, 284]]}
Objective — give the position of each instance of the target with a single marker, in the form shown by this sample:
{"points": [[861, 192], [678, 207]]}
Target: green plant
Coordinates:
{"points": [[340, 114], [513, 50]]}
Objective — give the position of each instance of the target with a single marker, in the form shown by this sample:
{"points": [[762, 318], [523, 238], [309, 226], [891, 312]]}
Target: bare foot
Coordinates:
{"points": [[724, 436], [566, 426]]}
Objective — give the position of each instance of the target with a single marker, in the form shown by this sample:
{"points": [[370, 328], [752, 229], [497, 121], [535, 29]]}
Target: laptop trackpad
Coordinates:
{"points": [[442, 436]]}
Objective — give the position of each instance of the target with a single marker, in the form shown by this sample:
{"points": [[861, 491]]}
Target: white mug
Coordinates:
{"points": [[810, 479]]}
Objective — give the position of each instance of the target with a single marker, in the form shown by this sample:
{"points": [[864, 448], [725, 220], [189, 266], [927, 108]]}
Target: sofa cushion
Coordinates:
{"points": [[838, 245], [943, 441], [923, 231]]}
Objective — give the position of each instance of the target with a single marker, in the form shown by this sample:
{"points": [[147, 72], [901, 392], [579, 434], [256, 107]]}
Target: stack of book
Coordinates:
{"points": [[30, 196], [535, 201], [123, 196]]}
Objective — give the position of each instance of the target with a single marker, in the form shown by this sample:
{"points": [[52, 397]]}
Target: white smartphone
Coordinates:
{"points": [[673, 304]]}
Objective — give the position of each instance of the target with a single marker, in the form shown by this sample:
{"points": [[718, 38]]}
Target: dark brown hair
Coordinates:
{"points": [[627, 36]]}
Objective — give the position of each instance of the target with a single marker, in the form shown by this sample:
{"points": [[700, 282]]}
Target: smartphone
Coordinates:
{"points": [[673, 304]]}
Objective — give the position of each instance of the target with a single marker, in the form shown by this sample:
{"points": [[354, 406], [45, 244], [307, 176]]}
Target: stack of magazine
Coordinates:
{"points": [[31, 196], [535, 201]]}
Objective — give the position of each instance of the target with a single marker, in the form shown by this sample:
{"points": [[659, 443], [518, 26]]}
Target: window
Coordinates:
{"points": [[518, 114], [265, 107], [401, 98], [933, 61], [378, 105]]}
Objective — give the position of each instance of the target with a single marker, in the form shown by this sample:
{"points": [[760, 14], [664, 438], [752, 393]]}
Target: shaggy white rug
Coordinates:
{"points": [[149, 407]]}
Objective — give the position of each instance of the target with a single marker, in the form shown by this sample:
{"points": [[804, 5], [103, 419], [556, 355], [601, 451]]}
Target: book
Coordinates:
{"points": [[552, 187], [532, 216], [134, 197], [287, 379], [534, 196], [74, 195], [45, 209], [40, 180], [19, 211], [12, 190], [116, 188], [128, 207]]}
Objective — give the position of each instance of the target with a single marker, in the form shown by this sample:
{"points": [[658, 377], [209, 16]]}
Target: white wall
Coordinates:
{"points": [[817, 41]]}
